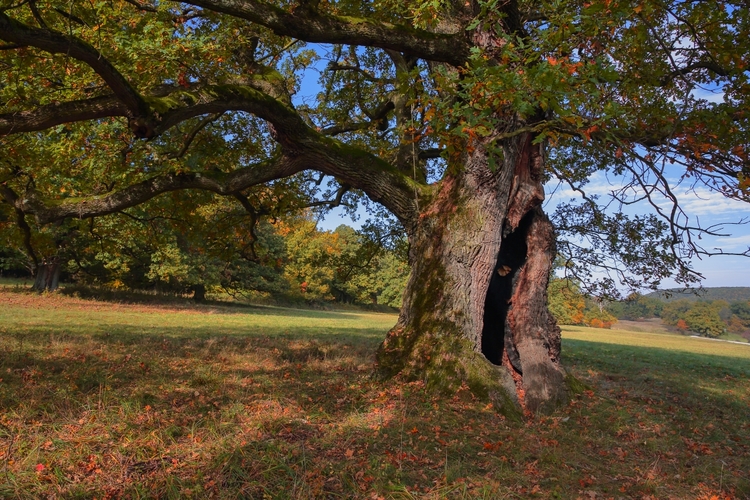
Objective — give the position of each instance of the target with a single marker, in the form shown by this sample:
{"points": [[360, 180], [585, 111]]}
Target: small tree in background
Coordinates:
{"points": [[703, 318]]}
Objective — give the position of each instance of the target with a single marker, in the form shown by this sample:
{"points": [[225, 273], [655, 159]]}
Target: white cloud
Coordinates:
{"points": [[704, 202], [598, 185], [734, 244]]}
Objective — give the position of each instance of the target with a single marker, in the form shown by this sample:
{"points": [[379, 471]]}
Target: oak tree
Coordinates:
{"points": [[451, 114]]}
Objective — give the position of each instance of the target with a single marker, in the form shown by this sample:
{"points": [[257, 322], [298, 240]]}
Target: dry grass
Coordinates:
{"points": [[143, 401]]}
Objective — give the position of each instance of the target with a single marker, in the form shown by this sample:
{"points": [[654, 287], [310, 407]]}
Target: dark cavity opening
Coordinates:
{"points": [[496, 337]]}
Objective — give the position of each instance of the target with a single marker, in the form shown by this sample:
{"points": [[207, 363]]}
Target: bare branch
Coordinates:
{"points": [[191, 136], [377, 119], [365, 74], [686, 70], [336, 202], [430, 153]]}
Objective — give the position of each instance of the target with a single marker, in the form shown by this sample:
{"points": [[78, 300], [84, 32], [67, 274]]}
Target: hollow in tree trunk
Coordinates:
{"points": [[474, 309]]}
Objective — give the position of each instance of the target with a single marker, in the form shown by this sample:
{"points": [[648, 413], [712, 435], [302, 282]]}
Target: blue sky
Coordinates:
{"points": [[708, 208]]}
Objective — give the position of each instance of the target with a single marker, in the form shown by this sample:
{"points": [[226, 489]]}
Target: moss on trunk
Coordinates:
{"points": [[456, 329]]}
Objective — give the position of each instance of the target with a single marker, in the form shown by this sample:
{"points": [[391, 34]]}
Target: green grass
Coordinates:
{"points": [[16, 282], [181, 401]]}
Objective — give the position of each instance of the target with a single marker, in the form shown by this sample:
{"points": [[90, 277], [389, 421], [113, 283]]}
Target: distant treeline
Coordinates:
{"points": [[570, 306], [696, 313], [712, 312], [285, 261], [727, 293]]}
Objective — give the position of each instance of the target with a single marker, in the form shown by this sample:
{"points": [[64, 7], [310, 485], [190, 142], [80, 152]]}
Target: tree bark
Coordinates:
{"points": [[199, 293], [47, 278], [474, 309]]}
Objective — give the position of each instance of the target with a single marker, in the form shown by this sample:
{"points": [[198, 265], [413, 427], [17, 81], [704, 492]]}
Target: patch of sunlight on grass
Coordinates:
{"points": [[671, 342]]}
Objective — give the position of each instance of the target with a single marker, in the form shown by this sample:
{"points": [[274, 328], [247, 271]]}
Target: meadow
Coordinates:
{"points": [[114, 400]]}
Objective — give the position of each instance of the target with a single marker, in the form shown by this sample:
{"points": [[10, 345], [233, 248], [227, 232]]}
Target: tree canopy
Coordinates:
{"points": [[611, 85], [450, 114]]}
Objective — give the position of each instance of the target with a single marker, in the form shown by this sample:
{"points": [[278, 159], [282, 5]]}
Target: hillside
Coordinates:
{"points": [[728, 293]]}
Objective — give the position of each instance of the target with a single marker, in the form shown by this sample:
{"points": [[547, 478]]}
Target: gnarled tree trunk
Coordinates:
{"points": [[474, 310]]}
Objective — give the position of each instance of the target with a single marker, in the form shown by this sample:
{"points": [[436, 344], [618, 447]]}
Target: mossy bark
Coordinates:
{"points": [[474, 310]]}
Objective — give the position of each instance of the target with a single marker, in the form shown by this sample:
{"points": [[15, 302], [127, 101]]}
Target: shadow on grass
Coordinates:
{"points": [[160, 300], [695, 381], [43, 362], [238, 411]]}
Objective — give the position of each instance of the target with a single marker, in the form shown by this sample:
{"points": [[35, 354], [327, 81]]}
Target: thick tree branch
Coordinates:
{"points": [[57, 43], [306, 23], [172, 106], [37, 15], [686, 70], [301, 145], [141, 192], [48, 116]]}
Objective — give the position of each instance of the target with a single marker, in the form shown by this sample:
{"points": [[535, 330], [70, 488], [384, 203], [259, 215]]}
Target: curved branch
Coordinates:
{"points": [[689, 68], [48, 116], [309, 25], [302, 147], [190, 137], [220, 183], [141, 6], [51, 41], [172, 106]]}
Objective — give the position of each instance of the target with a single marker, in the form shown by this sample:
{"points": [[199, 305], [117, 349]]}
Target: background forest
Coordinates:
{"points": [[218, 248], [219, 251]]}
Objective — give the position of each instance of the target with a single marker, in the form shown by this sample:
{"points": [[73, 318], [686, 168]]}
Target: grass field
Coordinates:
{"points": [[113, 400]]}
